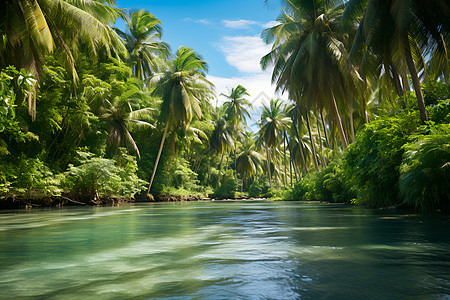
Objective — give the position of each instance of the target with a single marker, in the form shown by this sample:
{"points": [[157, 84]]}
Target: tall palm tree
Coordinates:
{"points": [[182, 86], [248, 160], [30, 29], [294, 113], [221, 140], [310, 58], [273, 123], [142, 42], [121, 117], [400, 35], [236, 111]]}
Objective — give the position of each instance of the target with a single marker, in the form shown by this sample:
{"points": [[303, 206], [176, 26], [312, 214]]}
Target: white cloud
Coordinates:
{"points": [[270, 24], [239, 24], [244, 52], [258, 86], [203, 21]]}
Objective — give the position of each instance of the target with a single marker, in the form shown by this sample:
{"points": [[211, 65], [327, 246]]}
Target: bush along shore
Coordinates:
{"points": [[394, 162]]}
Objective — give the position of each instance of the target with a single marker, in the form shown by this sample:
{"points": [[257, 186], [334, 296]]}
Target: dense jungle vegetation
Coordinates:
{"points": [[88, 110]]}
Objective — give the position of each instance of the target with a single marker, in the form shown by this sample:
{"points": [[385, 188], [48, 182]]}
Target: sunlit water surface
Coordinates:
{"points": [[224, 250]]}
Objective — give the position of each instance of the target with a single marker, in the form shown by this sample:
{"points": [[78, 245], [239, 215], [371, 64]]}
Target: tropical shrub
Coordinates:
{"points": [[336, 184], [30, 178], [228, 186], [441, 112], [425, 171], [93, 177], [13, 84], [181, 175], [259, 187], [372, 163], [302, 190]]}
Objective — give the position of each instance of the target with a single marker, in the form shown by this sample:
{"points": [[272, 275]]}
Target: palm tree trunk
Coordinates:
{"points": [[268, 167], [321, 144], [226, 165], [416, 84], [290, 161], [285, 165], [235, 170], [338, 116], [313, 147], [325, 128], [364, 108], [158, 157], [352, 128], [209, 171], [300, 145], [220, 167]]}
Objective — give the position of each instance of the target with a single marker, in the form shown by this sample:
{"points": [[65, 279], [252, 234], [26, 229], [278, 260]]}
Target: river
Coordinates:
{"points": [[223, 250]]}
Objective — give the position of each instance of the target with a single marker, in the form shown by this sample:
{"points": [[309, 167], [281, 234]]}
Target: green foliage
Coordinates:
{"points": [[425, 170], [181, 175], [301, 189], [335, 181], [13, 83], [441, 112], [94, 176], [371, 165], [328, 185], [228, 187], [259, 187], [29, 177], [434, 91]]}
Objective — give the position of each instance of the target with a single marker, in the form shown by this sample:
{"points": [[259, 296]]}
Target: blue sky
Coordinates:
{"points": [[226, 33]]}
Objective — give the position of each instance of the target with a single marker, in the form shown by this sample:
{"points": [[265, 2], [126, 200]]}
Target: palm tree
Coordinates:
{"points": [[141, 41], [248, 160], [121, 117], [273, 123], [221, 139], [236, 111], [400, 34], [310, 58], [29, 29], [294, 113], [182, 86]]}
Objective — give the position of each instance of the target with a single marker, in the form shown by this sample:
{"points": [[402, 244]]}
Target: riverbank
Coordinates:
{"points": [[22, 202]]}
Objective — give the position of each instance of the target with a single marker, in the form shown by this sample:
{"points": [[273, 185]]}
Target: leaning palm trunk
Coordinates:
{"points": [[285, 165], [268, 167], [324, 128], [290, 161], [220, 168], [416, 84], [321, 144], [158, 156], [352, 128], [235, 164], [338, 116], [313, 147], [302, 154]]}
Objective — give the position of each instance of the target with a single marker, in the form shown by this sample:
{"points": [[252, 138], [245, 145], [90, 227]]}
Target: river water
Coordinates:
{"points": [[224, 250]]}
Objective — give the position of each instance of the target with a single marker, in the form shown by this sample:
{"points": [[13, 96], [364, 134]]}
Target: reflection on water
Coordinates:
{"points": [[223, 250]]}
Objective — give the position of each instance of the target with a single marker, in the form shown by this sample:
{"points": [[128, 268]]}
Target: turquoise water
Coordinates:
{"points": [[223, 250]]}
